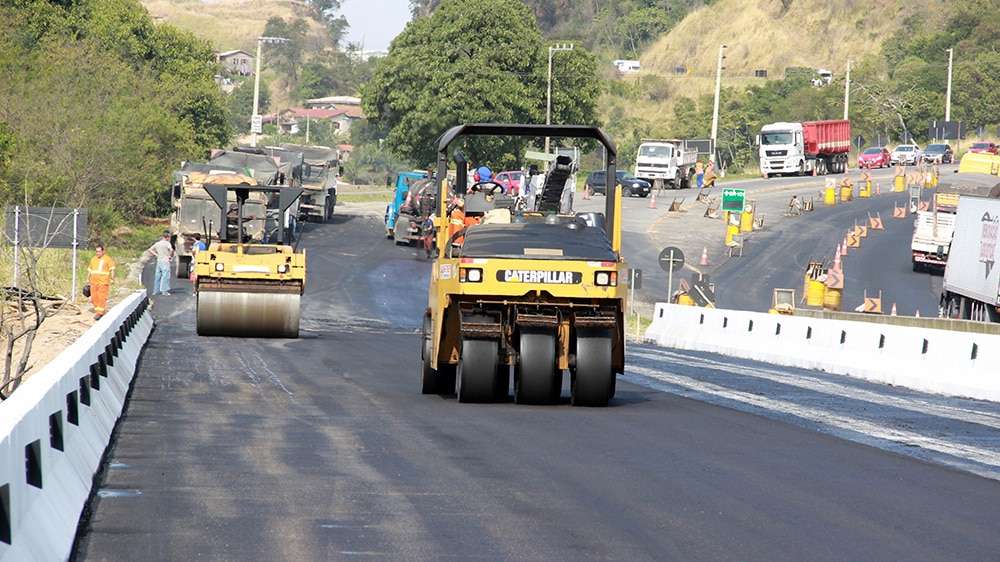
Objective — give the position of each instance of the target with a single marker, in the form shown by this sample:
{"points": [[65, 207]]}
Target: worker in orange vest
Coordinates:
{"points": [[101, 274], [456, 221]]}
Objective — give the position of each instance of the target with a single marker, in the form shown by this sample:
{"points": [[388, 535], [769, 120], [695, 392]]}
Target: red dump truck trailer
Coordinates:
{"points": [[819, 147]]}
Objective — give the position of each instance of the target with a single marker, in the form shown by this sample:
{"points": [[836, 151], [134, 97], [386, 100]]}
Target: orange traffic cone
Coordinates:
{"points": [[652, 200], [837, 264], [878, 188], [843, 247], [893, 313], [704, 256]]}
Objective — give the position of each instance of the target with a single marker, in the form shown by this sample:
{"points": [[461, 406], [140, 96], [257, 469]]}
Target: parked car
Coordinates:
{"points": [[986, 147], [939, 154], [875, 157], [631, 185], [907, 154], [511, 181]]}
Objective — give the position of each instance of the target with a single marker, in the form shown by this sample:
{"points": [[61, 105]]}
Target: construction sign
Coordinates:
{"points": [[733, 199], [834, 279], [898, 212], [875, 223], [946, 201], [853, 240]]}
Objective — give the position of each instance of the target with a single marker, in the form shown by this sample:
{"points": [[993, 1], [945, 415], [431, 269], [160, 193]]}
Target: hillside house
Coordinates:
{"points": [[238, 62]]}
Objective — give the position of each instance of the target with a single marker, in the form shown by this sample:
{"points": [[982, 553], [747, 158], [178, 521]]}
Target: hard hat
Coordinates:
{"points": [[485, 174]]}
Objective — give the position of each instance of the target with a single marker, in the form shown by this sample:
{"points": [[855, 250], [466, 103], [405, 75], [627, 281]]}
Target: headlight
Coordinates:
{"points": [[606, 278], [283, 268], [470, 275], [219, 266]]}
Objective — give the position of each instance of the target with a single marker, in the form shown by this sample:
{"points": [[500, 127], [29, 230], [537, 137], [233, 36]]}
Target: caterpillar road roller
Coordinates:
{"points": [[246, 287], [533, 293]]}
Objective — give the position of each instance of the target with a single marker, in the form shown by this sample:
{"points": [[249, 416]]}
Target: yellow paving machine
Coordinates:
{"points": [[534, 292], [246, 286]]}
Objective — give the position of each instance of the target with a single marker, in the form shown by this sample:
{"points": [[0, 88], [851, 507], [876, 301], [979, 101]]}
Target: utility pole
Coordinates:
{"points": [[847, 91], [715, 107], [255, 118], [558, 47], [947, 102]]}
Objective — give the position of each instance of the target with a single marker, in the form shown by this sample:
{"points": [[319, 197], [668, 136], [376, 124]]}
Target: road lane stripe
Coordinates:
{"points": [[834, 389], [846, 423]]}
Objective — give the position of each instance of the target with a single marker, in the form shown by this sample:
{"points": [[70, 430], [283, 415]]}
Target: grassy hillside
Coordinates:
{"points": [[760, 35], [230, 24]]}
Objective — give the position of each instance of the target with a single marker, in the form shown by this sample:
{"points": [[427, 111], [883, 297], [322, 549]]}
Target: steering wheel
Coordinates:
{"points": [[478, 186]]}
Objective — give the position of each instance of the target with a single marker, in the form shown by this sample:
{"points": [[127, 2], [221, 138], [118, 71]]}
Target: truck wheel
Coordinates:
{"points": [[477, 371], [400, 232], [594, 378], [678, 183], [802, 168], [183, 267], [536, 380]]}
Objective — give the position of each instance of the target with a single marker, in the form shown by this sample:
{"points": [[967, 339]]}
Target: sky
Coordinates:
{"points": [[375, 22]]}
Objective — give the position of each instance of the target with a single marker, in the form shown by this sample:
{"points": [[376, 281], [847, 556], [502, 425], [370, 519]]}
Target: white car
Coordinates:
{"points": [[907, 154]]}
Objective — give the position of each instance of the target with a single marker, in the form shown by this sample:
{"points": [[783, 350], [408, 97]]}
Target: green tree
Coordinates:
{"points": [[240, 104], [977, 91], [473, 61], [287, 57]]}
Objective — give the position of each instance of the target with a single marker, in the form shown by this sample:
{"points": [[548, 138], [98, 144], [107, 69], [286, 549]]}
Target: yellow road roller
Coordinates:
{"points": [[533, 292], [246, 287]]}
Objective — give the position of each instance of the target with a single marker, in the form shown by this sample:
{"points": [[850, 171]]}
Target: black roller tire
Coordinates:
{"points": [[502, 387], [429, 379], [477, 371], [400, 232], [594, 378], [536, 380]]}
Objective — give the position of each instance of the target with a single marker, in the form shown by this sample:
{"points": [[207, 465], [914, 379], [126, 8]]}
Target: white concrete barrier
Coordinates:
{"points": [[931, 360], [55, 428]]}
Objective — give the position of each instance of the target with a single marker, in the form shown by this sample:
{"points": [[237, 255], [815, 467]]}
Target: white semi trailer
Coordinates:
{"points": [[972, 275]]}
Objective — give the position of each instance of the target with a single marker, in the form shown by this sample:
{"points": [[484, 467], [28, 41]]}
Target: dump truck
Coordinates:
{"points": [[533, 292], [244, 287], [319, 180], [669, 162], [272, 167], [810, 147], [193, 212], [398, 227]]}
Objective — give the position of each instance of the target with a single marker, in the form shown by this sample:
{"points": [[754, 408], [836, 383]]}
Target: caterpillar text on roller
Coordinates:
{"points": [[245, 286]]}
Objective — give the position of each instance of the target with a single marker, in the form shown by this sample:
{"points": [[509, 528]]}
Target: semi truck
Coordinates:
{"points": [[972, 276], [667, 162], [810, 147]]}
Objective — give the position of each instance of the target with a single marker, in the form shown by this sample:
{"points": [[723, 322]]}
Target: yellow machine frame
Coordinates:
{"points": [[562, 309]]}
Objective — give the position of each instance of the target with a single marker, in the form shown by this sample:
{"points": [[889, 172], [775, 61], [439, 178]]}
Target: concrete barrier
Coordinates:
{"points": [[931, 360], [55, 428]]}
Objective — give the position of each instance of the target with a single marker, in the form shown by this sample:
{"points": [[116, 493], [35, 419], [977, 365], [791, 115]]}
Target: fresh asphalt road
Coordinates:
{"points": [[323, 448]]}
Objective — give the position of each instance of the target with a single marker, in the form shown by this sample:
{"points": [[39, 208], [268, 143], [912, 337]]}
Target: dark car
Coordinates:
{"points": [[631, 185], [938, 154]]}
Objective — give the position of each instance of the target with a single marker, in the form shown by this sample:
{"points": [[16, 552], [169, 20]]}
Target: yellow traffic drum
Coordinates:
{"points": [[815, 292], [831, 299]]}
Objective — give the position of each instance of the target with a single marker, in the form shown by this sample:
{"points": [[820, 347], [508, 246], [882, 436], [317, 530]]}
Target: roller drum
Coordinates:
{"points": [[248, 314]]}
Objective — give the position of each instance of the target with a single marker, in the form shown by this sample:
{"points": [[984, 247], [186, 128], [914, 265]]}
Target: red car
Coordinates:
{"points": [[985, 147], [874, 157], [511, 181]]}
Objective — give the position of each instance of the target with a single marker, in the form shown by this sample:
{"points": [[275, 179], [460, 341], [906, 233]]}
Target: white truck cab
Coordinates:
{"points": [[781, 149], [669, 162]]}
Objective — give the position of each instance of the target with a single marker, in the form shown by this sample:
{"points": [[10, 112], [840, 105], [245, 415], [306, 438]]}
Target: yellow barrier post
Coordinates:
{"points": [[746, 218], [830, 196]]}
